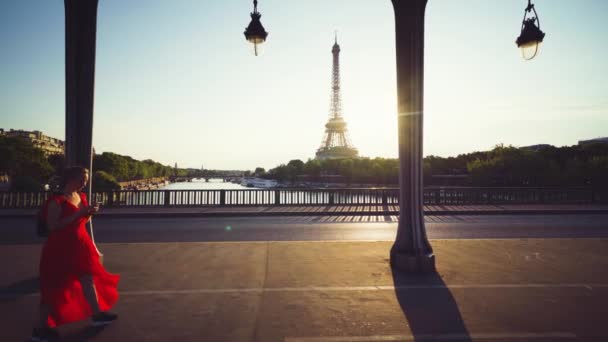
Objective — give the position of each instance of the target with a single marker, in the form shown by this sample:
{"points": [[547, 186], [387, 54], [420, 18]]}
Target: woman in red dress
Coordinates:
{"points": [[73, 283]]}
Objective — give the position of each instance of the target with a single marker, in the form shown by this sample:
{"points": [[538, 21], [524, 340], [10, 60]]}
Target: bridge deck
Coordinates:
{"points": [[486, 290], [324, 210]]}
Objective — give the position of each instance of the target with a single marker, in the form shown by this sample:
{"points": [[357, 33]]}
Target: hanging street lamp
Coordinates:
{"points": [[255, 32], [531, 36]]}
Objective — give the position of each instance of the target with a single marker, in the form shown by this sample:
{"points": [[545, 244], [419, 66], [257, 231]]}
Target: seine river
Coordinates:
{"points": [[200, 184], [197, 193]]}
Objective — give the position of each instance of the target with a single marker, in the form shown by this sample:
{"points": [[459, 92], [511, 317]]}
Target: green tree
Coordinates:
{"points": [[378, 173], [103, 181], [297, 165], [125, 168], [280, 173], [345, 168], [312, 167], [597, 172], [114, 164], [26, 165]]}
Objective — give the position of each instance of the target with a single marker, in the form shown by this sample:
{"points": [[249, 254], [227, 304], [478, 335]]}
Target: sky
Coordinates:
{"points": [[177, 82]]}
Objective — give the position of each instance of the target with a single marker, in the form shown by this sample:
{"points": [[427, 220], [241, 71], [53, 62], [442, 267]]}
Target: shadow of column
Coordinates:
{"points": [[429, 307]]}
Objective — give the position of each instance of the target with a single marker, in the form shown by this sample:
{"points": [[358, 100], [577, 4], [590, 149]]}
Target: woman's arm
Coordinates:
{"points": [[92, 209], [54, 220]]}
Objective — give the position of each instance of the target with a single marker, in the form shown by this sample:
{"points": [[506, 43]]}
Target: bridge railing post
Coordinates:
{"points": [[541, 196], [110, 195], [167, 198], [277, 197], [331, 198], [222, 197]]}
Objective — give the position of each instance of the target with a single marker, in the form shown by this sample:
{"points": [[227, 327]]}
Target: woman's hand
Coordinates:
{"points": [[89, 210]]}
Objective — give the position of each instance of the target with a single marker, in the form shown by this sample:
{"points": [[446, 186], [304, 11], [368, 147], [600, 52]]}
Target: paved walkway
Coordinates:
{"points": [[485, 290], [506, 209]]}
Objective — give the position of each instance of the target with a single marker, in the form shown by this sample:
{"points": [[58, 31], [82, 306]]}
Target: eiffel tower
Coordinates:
{"points": [[336, 143]]}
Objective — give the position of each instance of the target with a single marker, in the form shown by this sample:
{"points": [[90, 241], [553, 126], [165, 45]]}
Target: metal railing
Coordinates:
{"points": [[248, 197], [310, 197]]}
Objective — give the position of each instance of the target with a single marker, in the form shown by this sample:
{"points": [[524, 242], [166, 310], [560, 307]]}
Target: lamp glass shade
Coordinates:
{"points": [[256, 39], [257, 49], [530, 39], [530, 50]]}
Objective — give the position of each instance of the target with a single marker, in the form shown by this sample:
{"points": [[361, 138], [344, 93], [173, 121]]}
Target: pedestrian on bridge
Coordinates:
{"points": [[74, 285]]}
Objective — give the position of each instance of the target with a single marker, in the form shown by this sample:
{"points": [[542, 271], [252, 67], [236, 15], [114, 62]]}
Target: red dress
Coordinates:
{"points": [[67, 255]]}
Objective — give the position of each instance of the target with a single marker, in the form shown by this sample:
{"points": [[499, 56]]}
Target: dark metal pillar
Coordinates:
{"points": [[411, 251], [80, 29]]}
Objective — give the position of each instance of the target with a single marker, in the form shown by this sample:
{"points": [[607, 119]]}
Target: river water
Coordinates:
{"points": [[200, 184], [200, 193]]}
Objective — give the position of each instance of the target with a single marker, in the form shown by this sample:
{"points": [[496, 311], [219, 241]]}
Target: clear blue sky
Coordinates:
{"points": [[177, 82]]}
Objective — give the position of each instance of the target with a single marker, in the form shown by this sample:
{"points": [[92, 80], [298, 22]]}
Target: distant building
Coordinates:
{"points": [[45, 143], [596, 140], [537, 147]]}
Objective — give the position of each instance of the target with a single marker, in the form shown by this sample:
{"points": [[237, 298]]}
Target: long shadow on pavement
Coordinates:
{"points": [[429, 307], [25, 287], [84, 334], [11, 292]]}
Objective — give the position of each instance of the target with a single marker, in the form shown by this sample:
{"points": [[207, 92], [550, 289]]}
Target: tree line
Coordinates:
{"points": [[29, 169], [578, 165]]}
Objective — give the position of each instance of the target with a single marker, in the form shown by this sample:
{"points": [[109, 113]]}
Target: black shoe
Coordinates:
{"points": [[103, 318], [44, 335]]}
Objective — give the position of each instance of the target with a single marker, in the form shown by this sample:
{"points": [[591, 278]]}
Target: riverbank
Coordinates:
{"points": [[144, 184]]}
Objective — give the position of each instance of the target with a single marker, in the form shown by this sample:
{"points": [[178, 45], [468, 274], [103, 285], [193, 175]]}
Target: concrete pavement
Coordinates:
{"points": [[486, 290], [319, 228]]}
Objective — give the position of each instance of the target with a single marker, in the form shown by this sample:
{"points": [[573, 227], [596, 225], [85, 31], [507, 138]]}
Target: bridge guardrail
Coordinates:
{"points": [[316, 196]]}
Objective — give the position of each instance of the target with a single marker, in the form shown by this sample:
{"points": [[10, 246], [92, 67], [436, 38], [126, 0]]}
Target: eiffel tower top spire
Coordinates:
{"points": [[336, 99]]}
